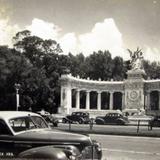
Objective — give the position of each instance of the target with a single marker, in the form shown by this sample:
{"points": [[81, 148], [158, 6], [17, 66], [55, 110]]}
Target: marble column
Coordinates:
{"points": [[111, 101], [123, 100], [62, 96], [99, 101], [88, 100], [77, 99], [68, 99], [147, 101]]}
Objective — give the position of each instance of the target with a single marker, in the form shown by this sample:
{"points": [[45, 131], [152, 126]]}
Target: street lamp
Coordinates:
{"points": [[17, 87]]}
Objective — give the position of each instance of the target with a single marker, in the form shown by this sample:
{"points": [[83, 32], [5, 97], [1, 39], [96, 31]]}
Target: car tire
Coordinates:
{"points": [[64, 121], [80, 121]]}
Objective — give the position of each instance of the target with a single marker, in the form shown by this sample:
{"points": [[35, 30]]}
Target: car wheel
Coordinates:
{"points": [[80, 121], [64, 121]]}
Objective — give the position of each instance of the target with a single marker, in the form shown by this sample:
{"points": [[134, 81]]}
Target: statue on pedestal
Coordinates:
{"points": [[136, 59]]}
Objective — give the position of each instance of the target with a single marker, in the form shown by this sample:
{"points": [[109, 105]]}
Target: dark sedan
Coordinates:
{"points": [[112, 118], [27, 135], [77, 117]]}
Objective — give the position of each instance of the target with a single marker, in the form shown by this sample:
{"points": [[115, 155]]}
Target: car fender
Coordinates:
{"points": [[65, 120], [99, 120], [122, 121], [45, 152]]}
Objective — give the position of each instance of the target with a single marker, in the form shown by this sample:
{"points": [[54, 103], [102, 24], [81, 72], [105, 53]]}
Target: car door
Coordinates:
{"points": [[10, 145], [6, 142], [113, 118], [75, 116], [108, 118]]}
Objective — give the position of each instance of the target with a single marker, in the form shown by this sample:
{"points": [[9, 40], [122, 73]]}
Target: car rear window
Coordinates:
{"points": [[27, 123]]}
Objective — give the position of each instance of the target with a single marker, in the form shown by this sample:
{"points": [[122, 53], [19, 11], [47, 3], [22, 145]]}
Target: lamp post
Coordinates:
{"points": [[17, 87]]}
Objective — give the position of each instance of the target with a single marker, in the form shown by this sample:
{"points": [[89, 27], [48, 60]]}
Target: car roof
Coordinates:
{"points": [[80, 112], [13, 114]]}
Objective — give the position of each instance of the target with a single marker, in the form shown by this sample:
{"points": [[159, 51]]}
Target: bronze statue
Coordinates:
{"points": [[136, 59]]}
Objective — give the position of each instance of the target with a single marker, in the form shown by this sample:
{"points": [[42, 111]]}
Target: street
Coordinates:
{"points": [[128, 147]]}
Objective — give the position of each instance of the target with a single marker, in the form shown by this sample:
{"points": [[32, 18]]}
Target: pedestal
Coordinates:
{"points": [[134, 90]]}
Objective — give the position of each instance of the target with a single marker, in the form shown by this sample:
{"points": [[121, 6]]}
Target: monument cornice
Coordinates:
{"points": [[75, 82], [152, 84]]}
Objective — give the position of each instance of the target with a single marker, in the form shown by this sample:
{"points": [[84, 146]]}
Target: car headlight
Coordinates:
{"points": [[74, 157], [71, 152], [92, 152], [87, 152]]}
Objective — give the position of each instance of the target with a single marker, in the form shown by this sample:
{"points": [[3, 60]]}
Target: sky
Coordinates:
{"points": [[87, 25]]}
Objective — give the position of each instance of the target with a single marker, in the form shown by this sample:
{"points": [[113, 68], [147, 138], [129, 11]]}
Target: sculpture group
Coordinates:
{"points": [[136, 59]]}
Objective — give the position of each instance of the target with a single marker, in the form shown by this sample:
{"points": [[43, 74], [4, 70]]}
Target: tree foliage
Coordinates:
{"points": [[118, 72], [99, 65]]}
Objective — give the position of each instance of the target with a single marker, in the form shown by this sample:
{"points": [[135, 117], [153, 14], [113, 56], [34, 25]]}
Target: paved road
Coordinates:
{"points": [[128, 147]]}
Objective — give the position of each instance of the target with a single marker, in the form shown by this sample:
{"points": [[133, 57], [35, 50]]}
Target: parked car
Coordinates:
{"points": [[112, 118], [77, 117], [27, 135], [155, 121], [49, 118]]}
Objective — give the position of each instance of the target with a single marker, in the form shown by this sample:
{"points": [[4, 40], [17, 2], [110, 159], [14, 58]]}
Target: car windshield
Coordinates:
{"points": [[27, 123]]}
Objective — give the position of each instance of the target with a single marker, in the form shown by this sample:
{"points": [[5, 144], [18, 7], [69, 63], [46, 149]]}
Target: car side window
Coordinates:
{"points": [[4, 130]]}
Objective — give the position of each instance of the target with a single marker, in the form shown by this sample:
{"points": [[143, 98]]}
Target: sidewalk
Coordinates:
{"points": [[131, 130]]}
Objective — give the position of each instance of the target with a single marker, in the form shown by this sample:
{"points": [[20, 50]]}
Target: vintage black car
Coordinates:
{"points": [[77, 117], [112, 118], [27, 135], [155, 121]]}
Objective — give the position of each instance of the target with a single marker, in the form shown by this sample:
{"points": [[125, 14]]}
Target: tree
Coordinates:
{"points": [[35, 48], [77, 63], [99, 65], [43, 78], [118, 69], [13, 66], [152, 69]]}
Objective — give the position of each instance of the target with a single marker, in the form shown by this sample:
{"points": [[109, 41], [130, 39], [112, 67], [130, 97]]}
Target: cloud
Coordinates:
{"points": [[103, 36], [43, 29], [69, 43], [7, 31], [47, 30]]}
